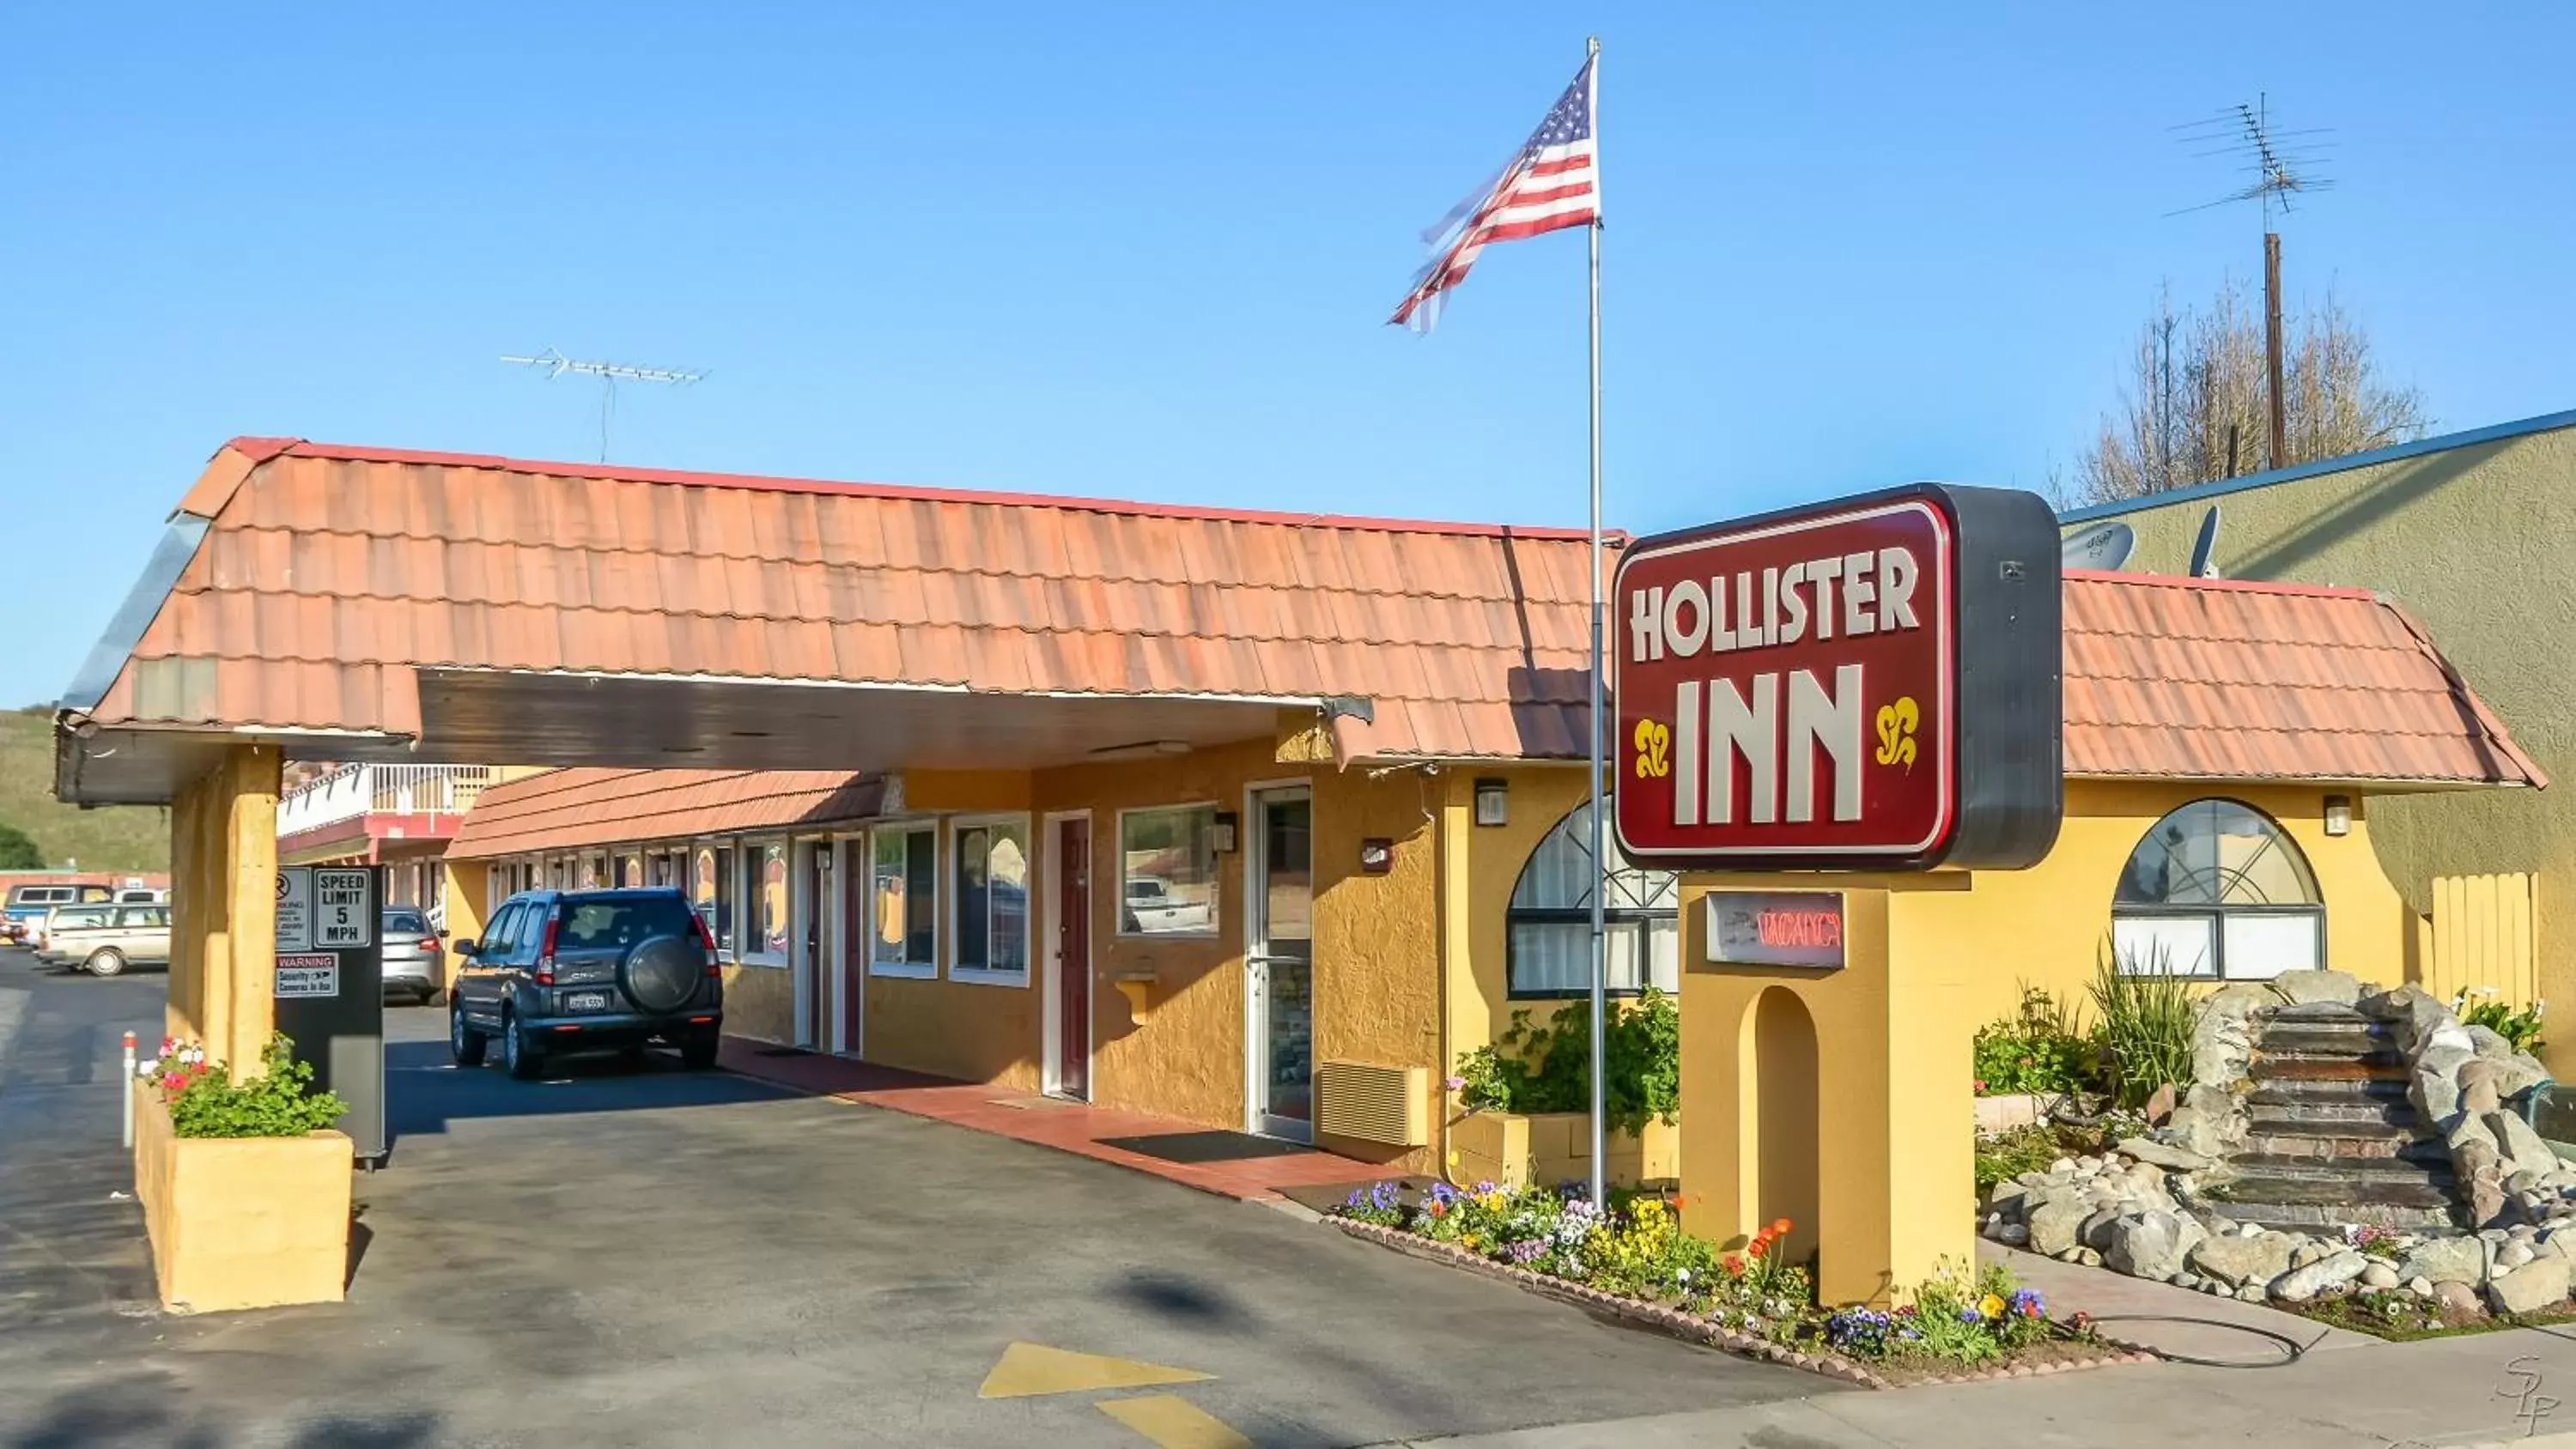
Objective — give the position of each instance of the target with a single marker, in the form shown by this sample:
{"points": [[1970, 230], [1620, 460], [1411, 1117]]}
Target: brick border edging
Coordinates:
{"points": [[1694, 1329]]}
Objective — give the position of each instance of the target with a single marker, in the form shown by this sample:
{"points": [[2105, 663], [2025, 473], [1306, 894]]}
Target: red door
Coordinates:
{"points": [[854, 943], [1073, 958]]}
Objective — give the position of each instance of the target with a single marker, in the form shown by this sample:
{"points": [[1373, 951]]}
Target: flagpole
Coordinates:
{"points": [[1600, 854]]}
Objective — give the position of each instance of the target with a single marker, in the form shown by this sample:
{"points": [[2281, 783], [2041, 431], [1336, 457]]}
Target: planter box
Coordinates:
{"points": [[241, 1222], [1517, 1149], [2010, 1110]]}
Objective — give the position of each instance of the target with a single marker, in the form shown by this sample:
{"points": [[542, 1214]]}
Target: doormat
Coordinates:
{"points": [[1214, 1146]]}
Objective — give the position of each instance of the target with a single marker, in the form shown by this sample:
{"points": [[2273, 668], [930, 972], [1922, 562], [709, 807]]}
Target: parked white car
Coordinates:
{"points": [[1153, 910]]}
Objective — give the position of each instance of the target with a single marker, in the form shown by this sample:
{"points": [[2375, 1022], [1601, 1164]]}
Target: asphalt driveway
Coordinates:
{"points": [[646, 1256]]}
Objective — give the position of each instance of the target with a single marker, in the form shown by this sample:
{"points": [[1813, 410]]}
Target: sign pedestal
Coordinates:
{"points": [[330, 989], [1839, 1098]]}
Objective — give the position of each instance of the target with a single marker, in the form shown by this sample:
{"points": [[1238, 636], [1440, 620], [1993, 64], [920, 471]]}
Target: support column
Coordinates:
{"points": [[223, 930], [465, 883]]}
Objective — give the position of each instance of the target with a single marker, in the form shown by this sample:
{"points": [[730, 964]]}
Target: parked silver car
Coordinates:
{"points": [[40, 937], [414, 955]]}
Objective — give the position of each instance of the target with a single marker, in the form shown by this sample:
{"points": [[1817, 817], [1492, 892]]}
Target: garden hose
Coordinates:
{"points": [[2293, 1350]]}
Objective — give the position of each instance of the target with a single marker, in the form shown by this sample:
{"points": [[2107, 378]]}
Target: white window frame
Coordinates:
{"points": [[955, 904], [1216, 868], [910, 970], [716, 845], [750, 854]]}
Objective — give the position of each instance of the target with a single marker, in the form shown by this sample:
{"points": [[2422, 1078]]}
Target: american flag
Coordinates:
{"points": [[1554, 182]]}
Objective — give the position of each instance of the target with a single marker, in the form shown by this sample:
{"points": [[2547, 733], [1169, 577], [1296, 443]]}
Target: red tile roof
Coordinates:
{"points": [[329, 575], [574, 809], [2217, 679]]}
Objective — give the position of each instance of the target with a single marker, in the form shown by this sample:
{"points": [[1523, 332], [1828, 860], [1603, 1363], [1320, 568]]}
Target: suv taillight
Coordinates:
{"points": [[707, 934], [546, 952]]}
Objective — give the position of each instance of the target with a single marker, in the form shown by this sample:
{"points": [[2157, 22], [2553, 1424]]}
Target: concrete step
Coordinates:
{"points": [[2292, 1066], [2379, 1094], [2318, 1011], [2303, 1141], [2391, 1181], [2338, 1039], [2312, 1217]]}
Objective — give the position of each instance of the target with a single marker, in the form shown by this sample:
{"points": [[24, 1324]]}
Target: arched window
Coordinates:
{"points": [[1550, 922], [2218, 889]]}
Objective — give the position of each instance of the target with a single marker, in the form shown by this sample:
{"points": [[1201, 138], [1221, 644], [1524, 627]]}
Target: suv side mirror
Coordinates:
{"points": [[468, 948]]}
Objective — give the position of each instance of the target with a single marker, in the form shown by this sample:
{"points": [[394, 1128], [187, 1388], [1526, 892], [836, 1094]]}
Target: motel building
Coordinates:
{"points": [[1260, 821]]}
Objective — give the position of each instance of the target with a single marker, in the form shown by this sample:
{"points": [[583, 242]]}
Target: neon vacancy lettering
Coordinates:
{"points": [[1869, 592]]}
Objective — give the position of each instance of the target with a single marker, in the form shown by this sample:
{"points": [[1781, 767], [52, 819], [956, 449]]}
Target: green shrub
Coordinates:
{"points": [[2146, 1015], [1534, 1068], [205, 1101], [2039, 1050], [2520, 1029]]}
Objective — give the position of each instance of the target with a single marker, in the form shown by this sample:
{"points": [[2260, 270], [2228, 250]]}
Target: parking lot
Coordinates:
{"points": [[642, 1255]]}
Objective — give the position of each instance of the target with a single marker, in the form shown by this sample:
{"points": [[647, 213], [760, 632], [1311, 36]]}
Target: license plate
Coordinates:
{"points": [[586, 1001]]}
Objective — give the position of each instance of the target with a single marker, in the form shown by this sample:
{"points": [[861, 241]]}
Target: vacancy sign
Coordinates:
{"points": [[1869, 684]]}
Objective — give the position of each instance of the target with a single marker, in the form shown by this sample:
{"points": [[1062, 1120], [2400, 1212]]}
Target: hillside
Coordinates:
{"points": [[122, 837]]}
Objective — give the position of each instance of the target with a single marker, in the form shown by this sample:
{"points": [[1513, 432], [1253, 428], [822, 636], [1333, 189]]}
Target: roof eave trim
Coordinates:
{"points": [[2220, 488], [107, 658]]}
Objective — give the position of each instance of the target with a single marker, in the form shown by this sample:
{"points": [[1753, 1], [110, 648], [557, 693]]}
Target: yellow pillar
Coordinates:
{"points": [[223, 872], [466, 882], [1841, 1099]]}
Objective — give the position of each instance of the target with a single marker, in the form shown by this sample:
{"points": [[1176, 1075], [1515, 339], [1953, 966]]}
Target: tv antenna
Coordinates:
{"points": [[2281, 165], [608, 373]]}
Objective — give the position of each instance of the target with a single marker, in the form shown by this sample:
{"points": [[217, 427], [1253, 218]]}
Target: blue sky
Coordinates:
{"points": [[1145, 250]]}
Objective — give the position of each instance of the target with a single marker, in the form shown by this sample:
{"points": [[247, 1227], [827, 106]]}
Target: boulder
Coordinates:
{"points": [[2447, 1260], [2378, 1274], [2222, 1047], [2161, 1103], [2151, 1244], [2519, 1073], [2301, 1284], [2471, 1129], [2054, 1225], [2413, 1013], [2457, 1297], [2095, 1233], [2478, 1097], [2237, 1261], [2009, 1198], [2420, 1287], [2435, 1086], [2240, 1000], [2489, 1044], [2252, 1293], [2538, 1284], [2513, 1255], [2164, 1154], [2318, 987], [2518, 1144], [2011, 1235]]}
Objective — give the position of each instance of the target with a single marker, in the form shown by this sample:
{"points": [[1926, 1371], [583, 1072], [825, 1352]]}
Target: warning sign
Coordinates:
{"points": [[309, 974], [295, 909], [344, 909]]}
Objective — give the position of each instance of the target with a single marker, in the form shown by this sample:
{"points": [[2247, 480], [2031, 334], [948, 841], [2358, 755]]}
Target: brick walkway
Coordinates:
{"points": [[1046, 1121]]}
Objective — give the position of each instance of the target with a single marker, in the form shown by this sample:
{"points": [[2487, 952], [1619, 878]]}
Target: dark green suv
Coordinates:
{"points": [[572, 971]]}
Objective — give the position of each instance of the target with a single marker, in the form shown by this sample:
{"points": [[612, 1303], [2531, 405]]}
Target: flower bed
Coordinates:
{"points": [[1635, 1262]]}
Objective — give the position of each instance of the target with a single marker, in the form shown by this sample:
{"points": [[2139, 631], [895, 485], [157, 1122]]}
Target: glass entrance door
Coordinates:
{"points": [[1279, 957]]}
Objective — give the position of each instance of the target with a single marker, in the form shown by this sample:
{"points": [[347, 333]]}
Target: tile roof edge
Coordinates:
{"points": [[2241, 586], [301, 448], [2467, 699]]}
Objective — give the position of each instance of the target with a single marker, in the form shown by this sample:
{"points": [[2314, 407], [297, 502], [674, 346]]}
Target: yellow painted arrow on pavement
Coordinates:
{"points": [[1028, 1369]]}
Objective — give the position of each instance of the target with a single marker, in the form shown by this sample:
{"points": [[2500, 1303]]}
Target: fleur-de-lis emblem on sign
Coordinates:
{"points": [[1896, 725], [1654, 750]]}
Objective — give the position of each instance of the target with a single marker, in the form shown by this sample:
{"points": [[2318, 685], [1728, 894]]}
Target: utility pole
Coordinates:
{"points": [[556, 365], [2282, 163], [2272, 347]]}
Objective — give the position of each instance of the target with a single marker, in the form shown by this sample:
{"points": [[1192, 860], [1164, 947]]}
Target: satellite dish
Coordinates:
{"points": [[2204, 550], [2103, 546]]}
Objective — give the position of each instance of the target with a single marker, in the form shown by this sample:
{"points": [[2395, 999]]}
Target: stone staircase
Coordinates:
{"points": [[2332, 1138]]}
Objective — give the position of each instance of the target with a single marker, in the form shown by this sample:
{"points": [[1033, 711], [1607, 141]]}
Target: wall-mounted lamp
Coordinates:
{"points": [[2338, 815], [1221, 835], [1493, 802], [1377, 855]]}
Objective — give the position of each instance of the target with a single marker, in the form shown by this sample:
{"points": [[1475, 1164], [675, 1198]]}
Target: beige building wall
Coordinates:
{"points": [[2478, 543]]}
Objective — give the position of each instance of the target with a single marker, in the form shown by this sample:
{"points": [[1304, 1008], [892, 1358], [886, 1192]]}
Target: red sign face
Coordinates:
{"points": [[1786, 690]]}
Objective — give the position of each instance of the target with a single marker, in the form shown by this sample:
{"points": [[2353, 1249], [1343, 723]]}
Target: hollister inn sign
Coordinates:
{"points": [[1866, 684]]}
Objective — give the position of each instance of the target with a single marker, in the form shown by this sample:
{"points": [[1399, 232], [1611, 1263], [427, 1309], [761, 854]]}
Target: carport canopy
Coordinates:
{"points": [[355, 604]]}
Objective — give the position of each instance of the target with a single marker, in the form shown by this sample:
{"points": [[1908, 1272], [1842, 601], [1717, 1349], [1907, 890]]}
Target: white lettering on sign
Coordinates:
{"points": [[1777, 606], [1731, 726], [295, 908], [344, 909], [309, 974]]}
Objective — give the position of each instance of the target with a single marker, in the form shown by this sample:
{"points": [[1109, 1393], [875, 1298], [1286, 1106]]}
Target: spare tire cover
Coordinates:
{"points": [[662, 972]]}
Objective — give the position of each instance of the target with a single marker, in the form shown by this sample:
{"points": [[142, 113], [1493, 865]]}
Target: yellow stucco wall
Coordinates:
{"points": [[223, 928], [759, 1002], [467, 881], [2472, 542], [1929, 959]]}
